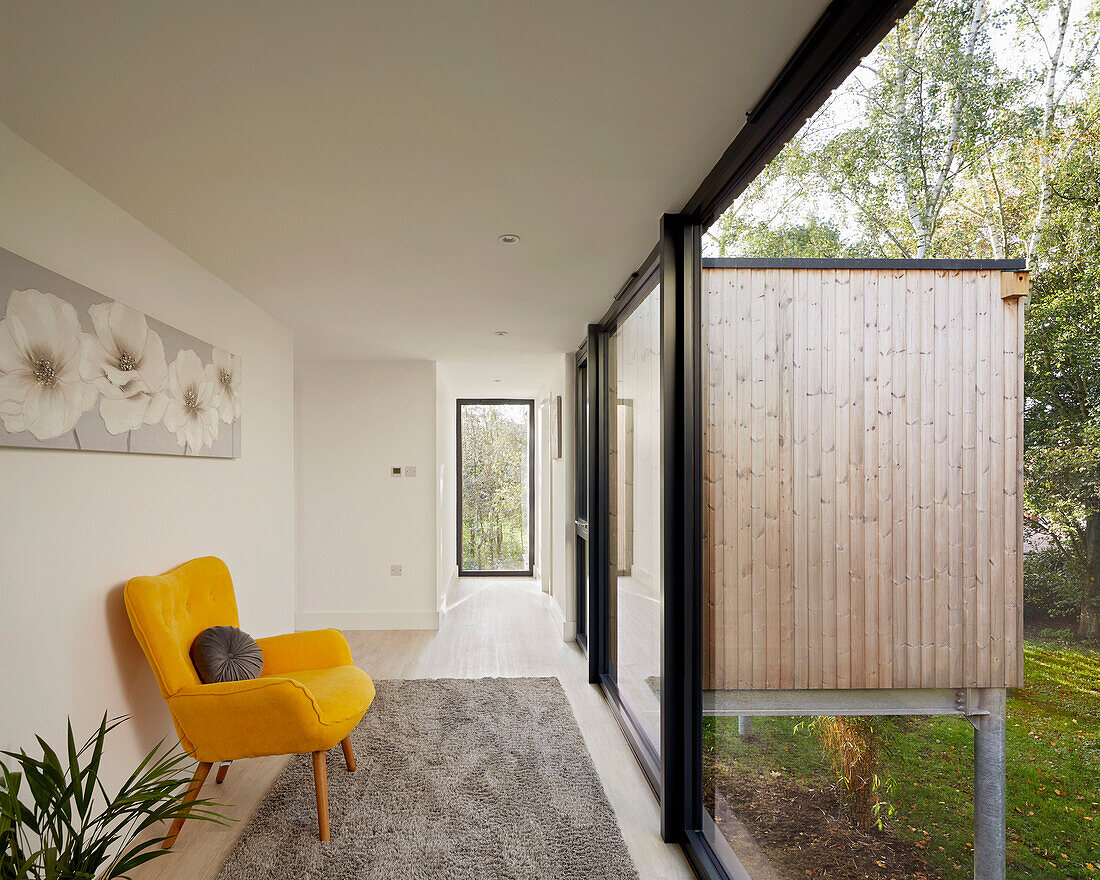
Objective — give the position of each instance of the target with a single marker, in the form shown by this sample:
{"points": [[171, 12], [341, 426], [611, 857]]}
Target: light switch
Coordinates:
{"points": [[410, 470], [395, 571]]}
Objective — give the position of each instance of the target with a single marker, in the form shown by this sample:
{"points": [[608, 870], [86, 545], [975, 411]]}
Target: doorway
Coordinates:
{"points": [[496, 487]]}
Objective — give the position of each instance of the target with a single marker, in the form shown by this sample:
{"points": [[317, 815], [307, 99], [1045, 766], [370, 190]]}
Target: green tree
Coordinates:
{"points": [[921, 111], [814, 237], [1062, 366], [942, 143], [1004, 195]]}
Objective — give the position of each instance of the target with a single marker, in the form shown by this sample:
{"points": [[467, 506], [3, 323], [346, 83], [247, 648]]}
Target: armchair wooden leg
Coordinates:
{"points": [[222, 770], [192, 792], [349, 755], [320, 781]]}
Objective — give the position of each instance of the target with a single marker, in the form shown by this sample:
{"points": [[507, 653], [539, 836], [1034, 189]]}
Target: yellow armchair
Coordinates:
{"points": [[309, 697]]}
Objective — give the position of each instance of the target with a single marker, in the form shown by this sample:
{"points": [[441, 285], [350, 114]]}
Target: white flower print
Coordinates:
{"points": [[41, 389], [124, 360], [192, 409], [225, 373]]}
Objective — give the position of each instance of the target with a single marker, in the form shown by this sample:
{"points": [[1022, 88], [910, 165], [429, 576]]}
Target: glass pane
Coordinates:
{"points": [[581, 501], [582, 442], [634, 503], [582, 589], [495, 492]]}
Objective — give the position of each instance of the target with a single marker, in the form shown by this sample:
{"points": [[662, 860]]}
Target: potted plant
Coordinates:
{"points": [[57, 821]]}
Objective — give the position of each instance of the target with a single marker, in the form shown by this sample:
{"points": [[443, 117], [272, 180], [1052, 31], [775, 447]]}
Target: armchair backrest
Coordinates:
{"points": [[168, 611]]}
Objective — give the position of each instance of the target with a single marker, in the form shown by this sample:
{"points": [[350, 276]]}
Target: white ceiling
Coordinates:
{"points": [[517, 375], [349, 165]]}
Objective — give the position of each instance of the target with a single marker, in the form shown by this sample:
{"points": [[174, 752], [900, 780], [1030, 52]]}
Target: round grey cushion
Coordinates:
{"points": [[225, 653]]}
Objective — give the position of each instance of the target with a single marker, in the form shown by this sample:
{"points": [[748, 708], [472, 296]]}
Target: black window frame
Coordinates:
{"points": [[502, 401]]}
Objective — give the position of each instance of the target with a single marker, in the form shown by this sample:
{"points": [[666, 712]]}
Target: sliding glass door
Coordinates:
{"points": [[639, 484], [496, 487], [633, 411], [580, 447], [619, 512]]}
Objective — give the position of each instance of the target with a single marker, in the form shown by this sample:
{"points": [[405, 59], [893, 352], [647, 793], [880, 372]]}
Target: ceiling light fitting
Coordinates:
{"points": [[509, 238]]}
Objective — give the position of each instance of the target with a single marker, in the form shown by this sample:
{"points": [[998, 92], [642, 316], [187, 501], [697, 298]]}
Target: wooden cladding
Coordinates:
{"points": [[863, 450]]}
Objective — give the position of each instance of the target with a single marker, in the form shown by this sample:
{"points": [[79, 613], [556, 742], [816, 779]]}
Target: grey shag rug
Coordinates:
{"points": [[458, 778]]}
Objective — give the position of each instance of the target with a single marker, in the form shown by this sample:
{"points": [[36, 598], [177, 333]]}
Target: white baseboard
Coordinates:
{"points": [[352, 620], [568, 627]]}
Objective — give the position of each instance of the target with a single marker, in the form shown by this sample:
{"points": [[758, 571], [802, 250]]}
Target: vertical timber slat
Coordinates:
{"points": [[786, 596], [857, 482], [743, 579], [843, 503], [997, 486], [885, 409], [772, 454], [828, 481]]}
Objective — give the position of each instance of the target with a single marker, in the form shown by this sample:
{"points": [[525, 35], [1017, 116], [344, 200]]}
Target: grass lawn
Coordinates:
{"points": [[1053, 770]]}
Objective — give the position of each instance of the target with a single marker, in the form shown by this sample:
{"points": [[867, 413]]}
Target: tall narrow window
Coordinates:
{"points": [[496, 489]]}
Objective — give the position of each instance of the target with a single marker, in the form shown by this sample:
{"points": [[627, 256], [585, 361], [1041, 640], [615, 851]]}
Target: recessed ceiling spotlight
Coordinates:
{"points": [[500, 332], [498, 380], [509, 238]]}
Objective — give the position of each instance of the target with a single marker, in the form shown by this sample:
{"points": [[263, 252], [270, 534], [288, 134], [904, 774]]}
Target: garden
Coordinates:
{"points": [[784, 789]]}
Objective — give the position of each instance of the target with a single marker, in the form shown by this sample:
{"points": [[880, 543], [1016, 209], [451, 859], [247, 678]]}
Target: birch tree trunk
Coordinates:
{"points": [[1050, 107], [924, 180]]}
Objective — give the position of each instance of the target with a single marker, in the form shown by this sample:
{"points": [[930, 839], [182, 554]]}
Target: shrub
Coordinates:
{"points": [[57, 821], [1052, 587], [853, 746]]}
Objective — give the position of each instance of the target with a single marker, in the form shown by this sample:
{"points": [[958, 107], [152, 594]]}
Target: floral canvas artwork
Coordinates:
{"points": [[81, 371]]}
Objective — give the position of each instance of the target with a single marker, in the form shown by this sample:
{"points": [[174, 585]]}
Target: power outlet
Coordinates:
{"points": [[395, 471], [395, 571], [410, 470]]}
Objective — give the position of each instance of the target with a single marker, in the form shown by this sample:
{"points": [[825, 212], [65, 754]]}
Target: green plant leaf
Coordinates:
{"points": [[55, 805]]}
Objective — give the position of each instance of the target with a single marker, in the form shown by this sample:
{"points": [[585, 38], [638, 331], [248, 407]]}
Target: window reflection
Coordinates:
{"points": [[634, 503]]}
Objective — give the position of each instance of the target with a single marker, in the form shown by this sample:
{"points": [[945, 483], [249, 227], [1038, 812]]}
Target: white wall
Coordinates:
{"points": [[563, 593], [74, 526], [446, 463], [354, 422]]}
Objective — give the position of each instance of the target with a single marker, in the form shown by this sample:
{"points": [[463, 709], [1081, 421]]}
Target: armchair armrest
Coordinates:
{"points": [[313, 649], [248, 719]]}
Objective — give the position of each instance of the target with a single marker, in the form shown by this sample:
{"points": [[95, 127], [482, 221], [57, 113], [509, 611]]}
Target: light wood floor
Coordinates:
{"points": [[493, 628]]}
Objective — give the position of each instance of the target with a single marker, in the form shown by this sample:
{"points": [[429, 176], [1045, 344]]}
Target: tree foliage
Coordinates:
{"points": [[58, 822], [943, 141], [1062, 365], [815, 237]]}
